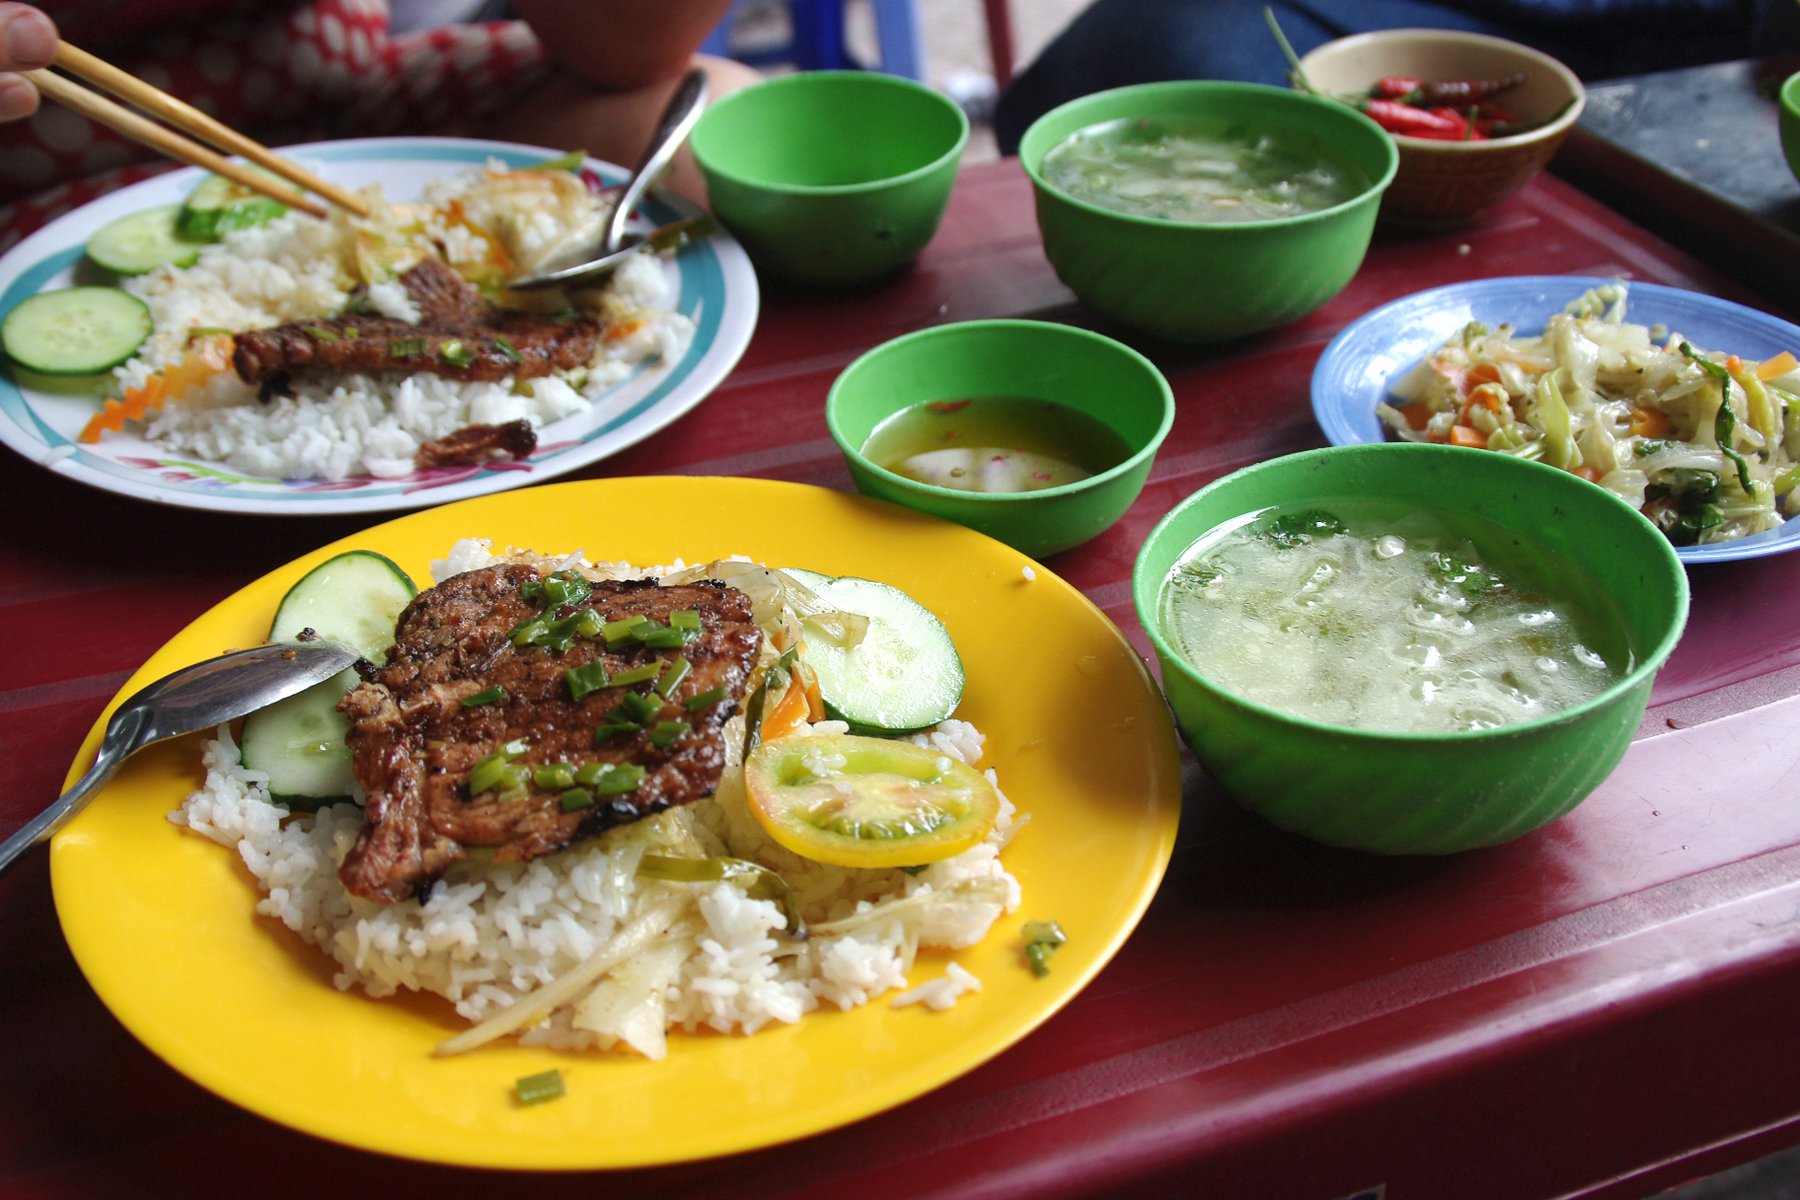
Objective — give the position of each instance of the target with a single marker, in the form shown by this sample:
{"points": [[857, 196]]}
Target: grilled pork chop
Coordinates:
{"points": [[416, 742], [460, 335]]}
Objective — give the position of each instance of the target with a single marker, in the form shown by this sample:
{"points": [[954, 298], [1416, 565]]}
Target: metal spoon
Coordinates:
{"points": [[677, 120], [197, 697]]}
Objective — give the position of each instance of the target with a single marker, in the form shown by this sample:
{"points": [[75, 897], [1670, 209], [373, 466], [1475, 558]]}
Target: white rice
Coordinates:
{"points": [[489, 934], [298, 267]]}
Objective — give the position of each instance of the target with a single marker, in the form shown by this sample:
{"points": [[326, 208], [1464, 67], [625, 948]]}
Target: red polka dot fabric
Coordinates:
{"points": [[306, 70]]}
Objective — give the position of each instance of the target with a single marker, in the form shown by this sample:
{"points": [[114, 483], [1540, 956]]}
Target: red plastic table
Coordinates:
{"points": [[1601, 1008]]}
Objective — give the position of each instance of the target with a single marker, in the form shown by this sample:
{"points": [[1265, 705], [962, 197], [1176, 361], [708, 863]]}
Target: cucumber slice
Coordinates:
{"points": [[219, 206], [75, 331], [905, 675], [300, 743], [354, 598], [143, 241]]}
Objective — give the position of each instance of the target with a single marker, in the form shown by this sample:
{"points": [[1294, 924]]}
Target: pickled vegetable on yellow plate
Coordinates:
{"points": [[856, 801]]}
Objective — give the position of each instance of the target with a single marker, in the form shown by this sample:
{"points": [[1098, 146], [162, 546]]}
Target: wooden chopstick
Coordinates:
{"points": [[184, 116]]}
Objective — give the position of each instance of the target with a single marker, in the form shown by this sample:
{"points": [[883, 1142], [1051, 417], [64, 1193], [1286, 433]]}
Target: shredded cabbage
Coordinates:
{"points": [[1704, 445]]}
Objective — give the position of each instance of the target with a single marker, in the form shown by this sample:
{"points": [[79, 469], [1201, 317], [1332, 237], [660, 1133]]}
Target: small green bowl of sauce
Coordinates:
{"points": [[1040, 435]]}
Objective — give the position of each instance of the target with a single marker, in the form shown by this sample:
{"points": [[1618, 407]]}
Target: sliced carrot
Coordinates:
{"points": [[1479, 374], [204, 360], [815, 699], [1464, 435], [1417, 414], [1591, 474], [1780, 364], [1648, 422], [789, 713]]}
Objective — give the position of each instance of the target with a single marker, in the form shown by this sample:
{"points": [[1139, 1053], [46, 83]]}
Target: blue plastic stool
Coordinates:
{"points": [[818, 38]]}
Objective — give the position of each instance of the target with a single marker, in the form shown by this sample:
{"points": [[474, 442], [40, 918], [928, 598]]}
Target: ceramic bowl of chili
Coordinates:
{"points": [[1211, 279], [1789, 120], [1037, 434], [1475, 117]]}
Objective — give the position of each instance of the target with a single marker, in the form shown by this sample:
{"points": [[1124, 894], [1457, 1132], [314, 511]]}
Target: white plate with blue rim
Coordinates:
{"points": [[1367, 357], [710, 280]]}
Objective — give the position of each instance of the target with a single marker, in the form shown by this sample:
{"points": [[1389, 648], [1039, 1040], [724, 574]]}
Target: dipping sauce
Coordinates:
{"points": [[995, 444], [1374, 616], [1200, 171]]}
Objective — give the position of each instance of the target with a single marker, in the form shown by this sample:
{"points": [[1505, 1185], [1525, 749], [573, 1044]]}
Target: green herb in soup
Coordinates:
{"points": [[1205, 172], [995, 444], [1372, 616]]}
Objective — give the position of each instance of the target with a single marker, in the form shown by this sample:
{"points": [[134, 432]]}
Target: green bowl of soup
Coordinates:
{"points": [[1204, 211], [1405, 652], [1038, 434]]}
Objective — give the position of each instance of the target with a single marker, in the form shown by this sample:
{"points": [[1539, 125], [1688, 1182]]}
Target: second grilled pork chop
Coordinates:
{"points": [[415, 743], [460, 335]]}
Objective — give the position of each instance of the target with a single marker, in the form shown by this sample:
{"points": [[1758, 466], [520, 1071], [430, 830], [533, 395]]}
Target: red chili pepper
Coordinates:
{"points": [[1395, 86], [1404, 118]]}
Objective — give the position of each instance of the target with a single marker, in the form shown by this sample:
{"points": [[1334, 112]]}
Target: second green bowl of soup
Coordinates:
{"points": [[1195, 275], [997, 404], [1555, 541]]}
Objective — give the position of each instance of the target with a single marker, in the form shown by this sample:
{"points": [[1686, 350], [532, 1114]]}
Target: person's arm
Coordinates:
{"points": [[27, 41], [622, 44]]}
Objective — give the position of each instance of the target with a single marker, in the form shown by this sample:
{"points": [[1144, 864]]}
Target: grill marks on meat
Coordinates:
{"points": [[414, 742], [460, 335]]}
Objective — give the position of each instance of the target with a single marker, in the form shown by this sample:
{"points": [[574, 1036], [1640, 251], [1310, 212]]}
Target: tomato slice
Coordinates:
{"points": [[856, 801]]}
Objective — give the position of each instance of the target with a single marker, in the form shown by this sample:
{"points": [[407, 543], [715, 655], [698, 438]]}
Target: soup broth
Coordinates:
{"points": [[1379, 617], [1205, 172], [995, 444]]}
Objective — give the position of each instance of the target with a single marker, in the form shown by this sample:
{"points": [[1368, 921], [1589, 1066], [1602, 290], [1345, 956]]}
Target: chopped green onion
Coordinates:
{"points": [[553, 777], [612, 727], [516, 747], [586, 680], [497, 772], [665, 733], [562, 162], [639, 673], [555, 591], [535, 1089], [1041, 941], [706, 699], [455, 353], [686, 618], [507, 348], [406, 347], [319, 333], [621, 630], [576, 799], [491, 695], [589, 773], [197, 332], [664, 637], [622, 778], [636, 707], [671, 678]]}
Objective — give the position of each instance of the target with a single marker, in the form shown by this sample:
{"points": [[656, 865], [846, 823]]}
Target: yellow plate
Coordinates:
{"points": [[163, 922]]}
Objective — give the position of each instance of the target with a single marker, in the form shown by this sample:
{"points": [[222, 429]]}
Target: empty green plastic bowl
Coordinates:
{"points": [[1789, 121], [1037, 360], [831, 178], [1210, 282], [1427, 793]]}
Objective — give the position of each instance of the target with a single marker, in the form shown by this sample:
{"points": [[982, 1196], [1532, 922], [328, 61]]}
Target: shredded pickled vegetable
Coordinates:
{"points": [[1704, 443]]}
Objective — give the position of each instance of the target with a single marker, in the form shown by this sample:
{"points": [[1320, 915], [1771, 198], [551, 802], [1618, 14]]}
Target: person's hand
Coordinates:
{"points": [[27, 41]]}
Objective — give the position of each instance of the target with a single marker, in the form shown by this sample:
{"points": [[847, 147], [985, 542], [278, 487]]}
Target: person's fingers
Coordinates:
{"points": [[27, 38], [18, 99]]}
